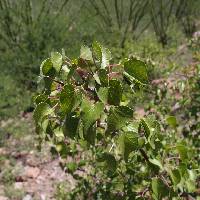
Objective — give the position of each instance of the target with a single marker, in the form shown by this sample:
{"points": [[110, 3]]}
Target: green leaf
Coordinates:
{"points": [[48, 84], [146, 127], [159, 189], [71, 72], [151, 129], [46, 67], [128, 142], [191, 181], [103, 76], [132, 126], [56, 59], [136, 70], [182, 169], [156, 162], [102, 54], [90, 134], [90, 113], [96, 47], [106, 57], [118, 184], [96, 77], [41, 98], [45, 125], [141, 142], [41, 111], [59, 133], [70, 127], [183, 151], [103, 94], [110, 162], [175, 176], [114, 92], [67, 98], [86, 53], [171, 120], [71, 167], [118, 117], [61, 148], [191, 186]]}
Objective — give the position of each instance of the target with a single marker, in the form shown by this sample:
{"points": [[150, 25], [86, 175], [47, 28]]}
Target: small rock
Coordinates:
{"points": [[43, 197], [18, 185], [3, 151], [139, 112], [31, 172], [27, 197], [32, 160], [1, 190], [176, 107], [3, 198]]}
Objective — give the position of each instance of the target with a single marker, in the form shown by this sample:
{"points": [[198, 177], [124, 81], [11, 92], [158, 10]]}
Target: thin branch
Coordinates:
{"points": [[122, 12], [145, 156], [96, 7], [117, 13], [107, 11], [128, 24], [56, 81]]}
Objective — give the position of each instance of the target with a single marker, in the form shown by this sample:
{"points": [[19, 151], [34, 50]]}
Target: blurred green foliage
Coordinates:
{"points": [[31, 29], [164, 33]]}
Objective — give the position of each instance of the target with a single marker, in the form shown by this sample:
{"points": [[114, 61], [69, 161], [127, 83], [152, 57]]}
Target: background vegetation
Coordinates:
{"points": [[164, 33], [31, 29]]}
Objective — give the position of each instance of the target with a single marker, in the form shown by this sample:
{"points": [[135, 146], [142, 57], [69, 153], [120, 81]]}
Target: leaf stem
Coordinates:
{"points": [[61, 83], [145, 156]]}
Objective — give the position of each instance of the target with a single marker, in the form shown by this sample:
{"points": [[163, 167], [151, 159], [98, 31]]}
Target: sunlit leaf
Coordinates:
{"points": [[183, 151], [56, 59], [103, 94], [67, 98], [102, 54], [42, 110], [96, 47], [128, 142], [90, 113], [86, 53], [46, 67], [136, 70], [171, 120], [175, 176], [156, 162], [106, 57], [41, 98]]}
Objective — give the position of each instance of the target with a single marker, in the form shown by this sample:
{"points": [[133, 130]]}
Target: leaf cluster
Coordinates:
{"points": [[85, 113]]}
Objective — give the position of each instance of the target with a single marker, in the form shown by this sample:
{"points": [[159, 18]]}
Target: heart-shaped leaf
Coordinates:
{"points": [[118, 117], [135, 70], [128, 142], [67, 98], [56, 59]]}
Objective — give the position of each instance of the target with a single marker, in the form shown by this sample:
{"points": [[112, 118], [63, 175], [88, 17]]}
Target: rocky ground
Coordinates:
{"points": [[25, 172]]}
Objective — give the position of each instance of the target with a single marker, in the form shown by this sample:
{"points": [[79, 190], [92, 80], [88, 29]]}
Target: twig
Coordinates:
{"points": [[61, 83], [145, 156]]}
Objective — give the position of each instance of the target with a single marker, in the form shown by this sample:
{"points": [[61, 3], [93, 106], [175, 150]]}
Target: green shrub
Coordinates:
{"points": [[85, 113], [12, 99]]}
